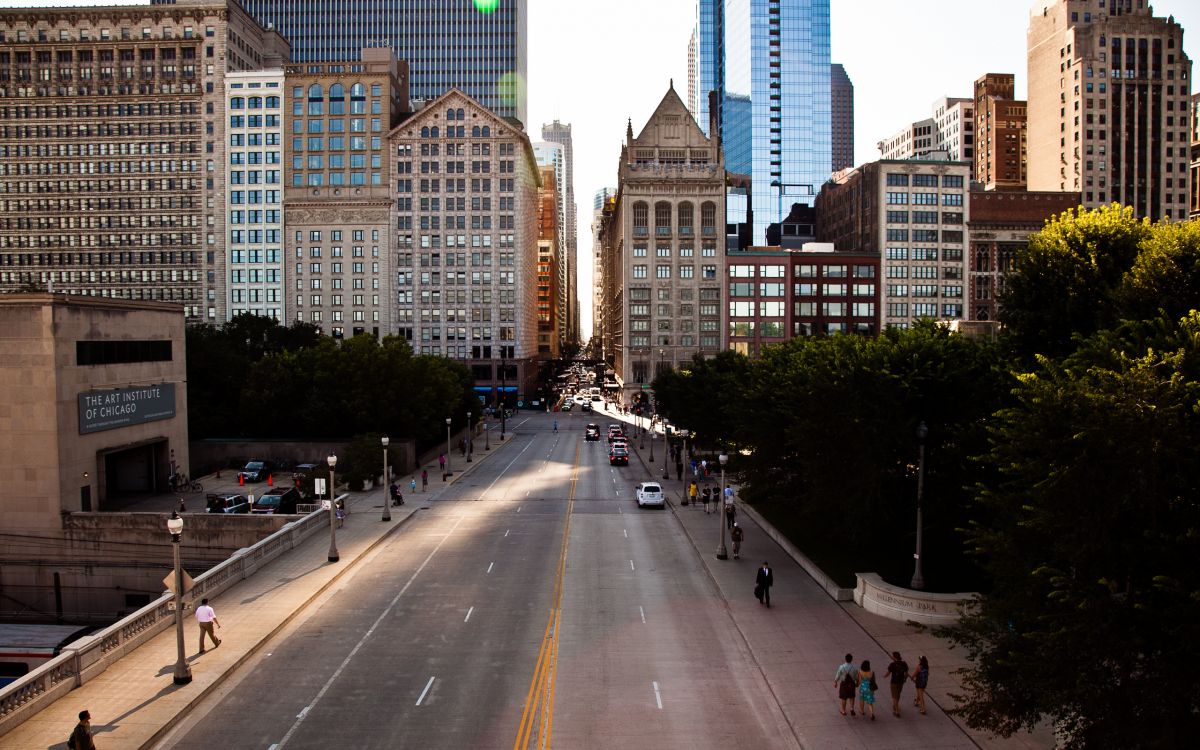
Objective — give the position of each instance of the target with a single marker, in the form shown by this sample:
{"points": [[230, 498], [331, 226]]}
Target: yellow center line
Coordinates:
{"points": [[537, 716]]}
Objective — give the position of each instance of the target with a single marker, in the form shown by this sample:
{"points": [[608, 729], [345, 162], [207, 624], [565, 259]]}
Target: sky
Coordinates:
{"points": [[598, 65]]}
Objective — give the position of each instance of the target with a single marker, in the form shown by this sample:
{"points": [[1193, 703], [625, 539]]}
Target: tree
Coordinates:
{"points": [[705, 396], [1165, 278], [1091, 538]]}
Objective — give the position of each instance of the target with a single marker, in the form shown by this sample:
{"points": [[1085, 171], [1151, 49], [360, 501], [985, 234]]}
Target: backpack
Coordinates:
{"points": [[71, 745], [848, 679]]}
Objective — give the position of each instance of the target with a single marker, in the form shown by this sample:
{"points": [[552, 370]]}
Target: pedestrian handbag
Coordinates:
{"points": [[874, 684], [758, 592]]}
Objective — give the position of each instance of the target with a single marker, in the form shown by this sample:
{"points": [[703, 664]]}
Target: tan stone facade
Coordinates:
{"points": [[112, 148]]}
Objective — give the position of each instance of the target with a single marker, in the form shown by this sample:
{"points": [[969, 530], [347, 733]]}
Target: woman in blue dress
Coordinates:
{"points": [[866, 689]]}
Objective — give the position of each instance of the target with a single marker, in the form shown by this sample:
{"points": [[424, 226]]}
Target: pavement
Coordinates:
{"points": [[135, 702]]}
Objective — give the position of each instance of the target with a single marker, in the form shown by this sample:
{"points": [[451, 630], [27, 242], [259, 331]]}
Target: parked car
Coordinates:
{"points": [[618, 456], [256, 471], [650, 493], [591, 432], [280, 500], [227, 503]]}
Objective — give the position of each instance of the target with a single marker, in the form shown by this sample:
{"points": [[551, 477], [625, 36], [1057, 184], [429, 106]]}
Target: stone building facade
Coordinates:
{"points": [[1000, 124]]}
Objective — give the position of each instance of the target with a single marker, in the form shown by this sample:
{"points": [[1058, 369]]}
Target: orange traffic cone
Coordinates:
{"points": [[241, 480], [270, 480]]}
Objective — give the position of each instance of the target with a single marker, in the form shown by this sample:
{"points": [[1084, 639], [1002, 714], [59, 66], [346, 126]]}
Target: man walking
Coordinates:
{"points": [[898, 670], [730, 511], [845, 681], [81, 737], [763, 584], [205, 616], [736, 536]]}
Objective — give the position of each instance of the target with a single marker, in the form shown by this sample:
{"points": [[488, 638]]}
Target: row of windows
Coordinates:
{"points": [[706, 342], [898, 179], [686, 271], [685, 214], [923, 310], [952, 236], [923, 290], [924, 199]]}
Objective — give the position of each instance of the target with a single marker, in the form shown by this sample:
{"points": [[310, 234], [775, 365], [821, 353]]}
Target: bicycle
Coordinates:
{"points": [[181, 483]]}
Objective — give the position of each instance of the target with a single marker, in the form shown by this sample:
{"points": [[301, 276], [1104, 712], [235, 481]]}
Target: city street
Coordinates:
{"points": [[533, 599]]}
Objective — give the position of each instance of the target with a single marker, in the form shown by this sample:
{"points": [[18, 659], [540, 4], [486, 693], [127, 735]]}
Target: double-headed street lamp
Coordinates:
{"points": [[722, 553], [387, 511], [183, 672], [333, 550], [918, 580], [468, 438]]}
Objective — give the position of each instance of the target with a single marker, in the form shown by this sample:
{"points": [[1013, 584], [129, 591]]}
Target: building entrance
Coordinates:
{"points": [[132, 471]]}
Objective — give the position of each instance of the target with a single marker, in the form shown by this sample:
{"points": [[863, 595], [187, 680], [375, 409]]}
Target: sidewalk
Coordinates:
{"points": [[135, 701], [801, 639]]}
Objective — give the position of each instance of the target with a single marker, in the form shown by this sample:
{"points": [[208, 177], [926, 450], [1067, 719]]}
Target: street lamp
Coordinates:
{"points": [[468, 438], [918, 580], [333, 550], [183, 673], [503, 389], [722, 553], [387, 511], [653, 438], [448, 471], [487, 434], [666, 455]]}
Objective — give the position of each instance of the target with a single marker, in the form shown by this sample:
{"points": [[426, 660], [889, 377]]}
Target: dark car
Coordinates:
{"points": [[229, 502], [277, 500], [256, 471], [591, 432], [618, 456]]}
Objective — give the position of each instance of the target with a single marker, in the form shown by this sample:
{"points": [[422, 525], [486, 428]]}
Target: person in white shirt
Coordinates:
{"points": [[206, 617]]}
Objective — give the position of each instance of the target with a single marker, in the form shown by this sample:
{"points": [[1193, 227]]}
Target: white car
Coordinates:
{"points": [[650, 493]]}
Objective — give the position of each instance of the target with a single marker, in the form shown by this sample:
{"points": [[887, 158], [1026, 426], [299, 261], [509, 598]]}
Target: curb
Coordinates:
{"points": [[836, 592]]}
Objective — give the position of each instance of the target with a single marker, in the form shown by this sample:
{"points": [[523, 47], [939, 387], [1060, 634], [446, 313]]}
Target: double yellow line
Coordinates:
{"points": [[537, 718]]}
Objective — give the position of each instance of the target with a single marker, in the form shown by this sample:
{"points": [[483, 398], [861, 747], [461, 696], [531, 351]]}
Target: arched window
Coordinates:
{"points": [[315, 92], [662, 218], [433, 132], [358, 99], [641, 218], [686, 217], [337, 91], [475, 131], [462, 114], [358, 91], [255, 102], [450, 113], [237, 102], [272, 102], [708, 218], [487, 132], [425, 132]]}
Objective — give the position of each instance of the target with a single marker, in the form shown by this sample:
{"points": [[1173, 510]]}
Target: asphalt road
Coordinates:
{"points": [[532, 605]]}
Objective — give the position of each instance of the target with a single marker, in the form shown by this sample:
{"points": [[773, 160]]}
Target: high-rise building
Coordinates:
{"points": [[549, 310], [552, 157], [602, 202], [466, 198], [479, 48], [113, 148], [1000, 122], [558, 132], [912, 213], [916, 141], [337, 201], [1108, 105], [841, 97], [768, 61], [1194, 206], [664, 266], [949, 133]]}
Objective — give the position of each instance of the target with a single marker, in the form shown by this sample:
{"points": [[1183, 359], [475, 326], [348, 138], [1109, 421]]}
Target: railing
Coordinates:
{"points": [[88, 657]]}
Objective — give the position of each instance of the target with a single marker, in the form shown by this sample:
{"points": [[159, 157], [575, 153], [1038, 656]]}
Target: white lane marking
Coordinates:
{"points": [[519, 508], [618, 492], [490, 566], [430, 684], [631, 565], [526, 493], [391, 605], [506, 533], [626, 531], [643, 615], [657, 695], [472, 609], [506, 468]]}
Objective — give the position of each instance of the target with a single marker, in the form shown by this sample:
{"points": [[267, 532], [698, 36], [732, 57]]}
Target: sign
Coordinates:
{"points": [[319, 486], [124, 407], [169, 582]]}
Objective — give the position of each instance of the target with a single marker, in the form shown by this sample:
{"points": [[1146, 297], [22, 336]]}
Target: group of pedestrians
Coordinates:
{"points": [[860, 682]]}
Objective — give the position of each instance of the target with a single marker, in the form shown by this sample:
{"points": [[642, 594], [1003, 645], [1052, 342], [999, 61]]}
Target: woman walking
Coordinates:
{"points": [[866, 689], [921, 680]]}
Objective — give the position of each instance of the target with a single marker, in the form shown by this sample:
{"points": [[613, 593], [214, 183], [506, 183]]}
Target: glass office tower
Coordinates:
{"points": [[769, 61], [446, 45]]}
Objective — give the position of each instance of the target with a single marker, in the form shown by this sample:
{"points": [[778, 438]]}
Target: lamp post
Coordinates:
{"points": [[722, 553], [487, 435], [333, 550], [666, 455], [448, 471], [918, 580], [468, 438], [653, 438], [387, 511], [183, 673], [503, 388]]}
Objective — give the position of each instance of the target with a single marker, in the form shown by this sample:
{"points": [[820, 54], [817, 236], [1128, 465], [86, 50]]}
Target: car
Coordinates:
{"points": [[618, 456], [650, 494], [566, 406], [581, 399], [619, 443], [586, 406], [597, 397], [591, 432], [256, 471], [280, 500], [227, 503]]}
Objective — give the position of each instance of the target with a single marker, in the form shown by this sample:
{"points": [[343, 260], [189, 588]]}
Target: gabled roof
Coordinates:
{"points": [[672, 109]]}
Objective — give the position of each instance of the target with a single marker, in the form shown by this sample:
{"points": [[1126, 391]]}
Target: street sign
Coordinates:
{"points": [[169, 582], [319, 485]]}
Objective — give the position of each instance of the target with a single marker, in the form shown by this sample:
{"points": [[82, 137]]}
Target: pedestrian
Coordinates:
{"points": [[412, 486], [81, 737], [424, 480], [678, 470], [442, 462], [736, 535], [692, 493], [764, 581], [866, 689], [704, 466], [706, 498], [730, 511], [206, 618], [845, 680], [340, 512], [462, 446], [182, 506], [898, 671], [921, 680], [397, 498]]}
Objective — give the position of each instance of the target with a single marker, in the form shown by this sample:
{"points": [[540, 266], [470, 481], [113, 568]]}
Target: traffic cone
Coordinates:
{"points": [[270, 480], [241, 480]]}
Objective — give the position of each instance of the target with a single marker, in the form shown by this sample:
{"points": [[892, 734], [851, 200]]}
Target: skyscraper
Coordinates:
{"points": [[446, 45], [558, 132], [1108, 105], [841, 96], [1000, 120], [768, 61]]}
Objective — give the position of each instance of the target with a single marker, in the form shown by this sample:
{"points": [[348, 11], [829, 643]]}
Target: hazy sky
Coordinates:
{"points": [[596, 65]]}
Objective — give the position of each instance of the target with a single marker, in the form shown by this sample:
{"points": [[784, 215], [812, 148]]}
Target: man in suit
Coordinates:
{"points": [[763, 583]]}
